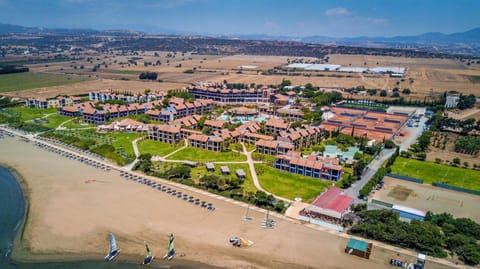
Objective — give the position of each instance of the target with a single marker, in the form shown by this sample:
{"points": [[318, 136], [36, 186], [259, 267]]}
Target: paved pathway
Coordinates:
{"points": [[251, 165], [368, 173], [137, 154]]}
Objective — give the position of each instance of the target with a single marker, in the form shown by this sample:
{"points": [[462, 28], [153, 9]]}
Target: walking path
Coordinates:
{"points": [[264, 211], [256, 182], [137, 154]]}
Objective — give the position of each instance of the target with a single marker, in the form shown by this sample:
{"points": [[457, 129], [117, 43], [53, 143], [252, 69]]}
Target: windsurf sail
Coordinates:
{"points": [[171, 248], [148, 250], [113, 244], [114, 251]]}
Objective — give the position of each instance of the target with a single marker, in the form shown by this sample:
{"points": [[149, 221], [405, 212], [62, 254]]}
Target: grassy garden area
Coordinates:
{"points": [[30, 80], [290, 185], [201, 155], [247, 186], [116, 147], [431, 172], [157, 148], [28, 113], [52, 121]]}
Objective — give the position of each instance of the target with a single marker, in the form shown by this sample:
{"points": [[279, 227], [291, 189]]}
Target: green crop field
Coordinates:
{"points": [[157, 148], [29, 80], [201, 155], [290, 185], [431, 172]]}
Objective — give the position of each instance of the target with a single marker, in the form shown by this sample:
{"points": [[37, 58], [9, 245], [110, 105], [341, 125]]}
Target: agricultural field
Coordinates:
{"points": [[201, 155], [156, 148], [432, 172], [290, 185], [30, 80], [426, 197], [437, 152]]}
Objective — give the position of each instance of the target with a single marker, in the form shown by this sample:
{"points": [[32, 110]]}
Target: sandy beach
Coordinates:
{"points": [[74, 206]]}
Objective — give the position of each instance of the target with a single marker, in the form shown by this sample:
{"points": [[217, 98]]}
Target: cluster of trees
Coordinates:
{"points": [[144, 163], [460, 236], [385, 226], [466, 101], [418, 149], [220, 183], [439, 122], [468, 144], [10, 69], [148, 75]]}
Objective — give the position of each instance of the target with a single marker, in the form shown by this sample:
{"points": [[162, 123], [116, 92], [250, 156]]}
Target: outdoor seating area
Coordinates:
{"points": [[73, 156], [167, 189]]}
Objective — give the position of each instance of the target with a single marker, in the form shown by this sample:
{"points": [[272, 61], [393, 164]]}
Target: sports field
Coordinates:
{"points": [[431, 172], [30, 80], [426, 197]]}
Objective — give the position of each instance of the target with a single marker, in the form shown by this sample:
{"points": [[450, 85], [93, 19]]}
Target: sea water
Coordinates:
{"points": [[12, 214]]}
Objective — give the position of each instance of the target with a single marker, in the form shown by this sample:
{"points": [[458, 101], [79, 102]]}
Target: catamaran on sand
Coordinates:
{"points": [[114, 251], [171, 249], [149, 259]]}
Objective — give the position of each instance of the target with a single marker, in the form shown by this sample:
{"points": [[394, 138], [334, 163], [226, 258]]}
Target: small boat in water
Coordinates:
{"points": [[149, 259], [114, 251], [171, 249]]}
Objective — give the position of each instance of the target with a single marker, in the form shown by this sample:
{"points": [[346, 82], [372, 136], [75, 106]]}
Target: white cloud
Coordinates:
{"points": [[338, 11]]}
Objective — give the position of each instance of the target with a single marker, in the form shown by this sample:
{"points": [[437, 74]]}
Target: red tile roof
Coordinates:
{"points": [[332, 199]]}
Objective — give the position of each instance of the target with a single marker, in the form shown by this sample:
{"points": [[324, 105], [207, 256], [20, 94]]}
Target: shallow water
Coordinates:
{"points": [[12, 212]]}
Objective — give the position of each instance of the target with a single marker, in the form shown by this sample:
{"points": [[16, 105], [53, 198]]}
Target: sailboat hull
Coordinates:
{"points": [[111, 256], [148, 260]]}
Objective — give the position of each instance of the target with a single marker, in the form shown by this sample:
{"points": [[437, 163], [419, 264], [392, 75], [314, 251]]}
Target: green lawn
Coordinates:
{"points": [[121, 141], [156, 147], [77, 123], [124, 140], [247, 185], [201, 155], [53, 121], [28, 113], [290, 185], [30, 80], [431, 172]]}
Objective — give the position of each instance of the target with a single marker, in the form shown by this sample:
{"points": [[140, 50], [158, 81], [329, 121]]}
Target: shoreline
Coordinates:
{"points": [[288, 245], [22, 254]]}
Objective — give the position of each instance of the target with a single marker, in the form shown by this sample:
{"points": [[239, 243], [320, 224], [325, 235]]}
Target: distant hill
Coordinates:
{"points": [[467, 42]]}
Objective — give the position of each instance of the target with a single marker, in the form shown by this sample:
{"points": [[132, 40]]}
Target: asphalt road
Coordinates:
{"points": [[368, 173]]}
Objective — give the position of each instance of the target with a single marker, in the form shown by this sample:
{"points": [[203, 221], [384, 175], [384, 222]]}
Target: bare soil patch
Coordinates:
{"points": [[427, 197]]}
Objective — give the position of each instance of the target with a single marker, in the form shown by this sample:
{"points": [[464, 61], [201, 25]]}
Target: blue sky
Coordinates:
{"points": [[231, 17]]}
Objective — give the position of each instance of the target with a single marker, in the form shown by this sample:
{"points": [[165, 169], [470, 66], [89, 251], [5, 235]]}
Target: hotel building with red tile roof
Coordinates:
{"points": [[292, 163], [212, 143], [170, 134], [219, 93]]}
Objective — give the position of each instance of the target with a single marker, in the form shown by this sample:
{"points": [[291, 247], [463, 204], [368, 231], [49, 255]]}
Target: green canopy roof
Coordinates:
{"points": [[357, 244]]}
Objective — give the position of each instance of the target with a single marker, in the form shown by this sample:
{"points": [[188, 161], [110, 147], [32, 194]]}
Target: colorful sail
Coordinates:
{"points": [[113, 243], [171, 248]]}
